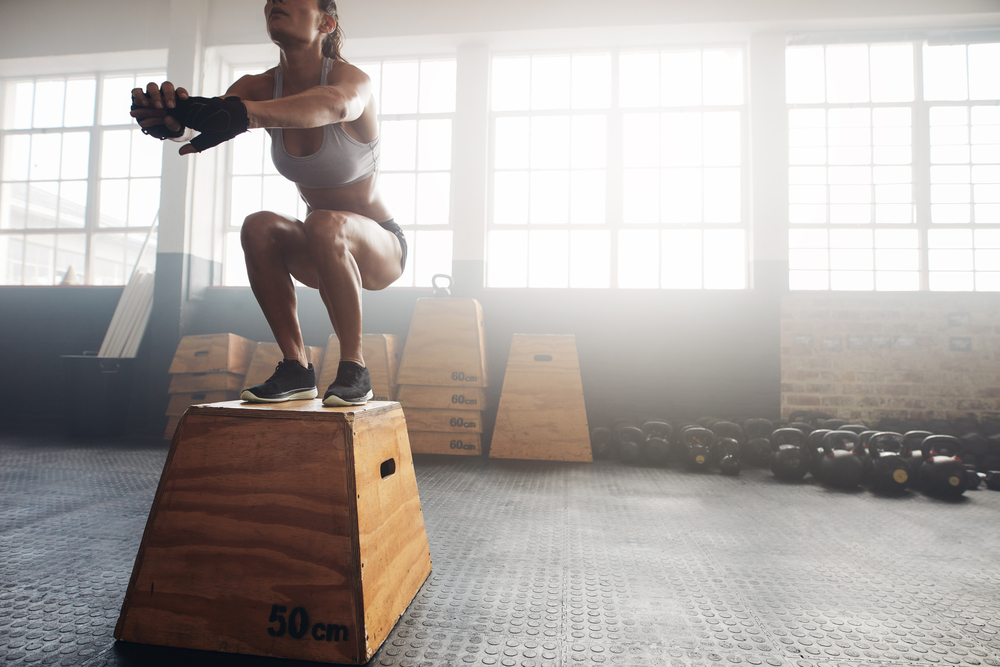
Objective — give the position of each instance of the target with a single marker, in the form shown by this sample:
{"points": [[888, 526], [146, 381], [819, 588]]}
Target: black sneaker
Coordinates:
{"points": [[290, 382], [353, 386]]}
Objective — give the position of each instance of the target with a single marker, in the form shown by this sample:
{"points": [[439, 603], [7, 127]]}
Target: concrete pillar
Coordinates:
{"points": [[768, 163], [184, 254], [470, 148]]}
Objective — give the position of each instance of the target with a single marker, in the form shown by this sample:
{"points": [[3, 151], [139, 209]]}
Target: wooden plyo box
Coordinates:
{"points": [[181, 402], [268, 355], [443, 421], [189, 383], [381, 353], [213, 353], [541, 414], [287, 530], [425, 442], [446, 344], [442, 398]]}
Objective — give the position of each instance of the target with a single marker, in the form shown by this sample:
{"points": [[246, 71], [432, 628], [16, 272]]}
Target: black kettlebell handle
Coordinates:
{"points": [[724, 429], [839, 436], [939, 444], [698, 435], [729, 447], [914, 440], [788, 436], [873, 442]]}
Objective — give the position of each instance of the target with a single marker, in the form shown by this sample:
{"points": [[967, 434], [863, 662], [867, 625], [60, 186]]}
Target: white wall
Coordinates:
{"points": [[30, 28]]}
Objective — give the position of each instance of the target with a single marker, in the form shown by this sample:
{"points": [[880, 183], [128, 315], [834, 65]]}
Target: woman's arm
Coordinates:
{"points": [[341, 102]]}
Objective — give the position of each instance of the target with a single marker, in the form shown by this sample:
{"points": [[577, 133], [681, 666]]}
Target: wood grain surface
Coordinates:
{"points": [[180, 402], [444, 398], [541, 414], [392, 542], [266, 526], [446, 344], [186, 383], [461, 444], [443, 421], [213, 353]]}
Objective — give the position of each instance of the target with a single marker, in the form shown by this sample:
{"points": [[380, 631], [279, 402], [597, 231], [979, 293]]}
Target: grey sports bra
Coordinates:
{"points": [[339, 161]]}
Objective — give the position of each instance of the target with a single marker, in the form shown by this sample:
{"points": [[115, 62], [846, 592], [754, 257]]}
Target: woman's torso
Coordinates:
{"points": [[321, 159]]}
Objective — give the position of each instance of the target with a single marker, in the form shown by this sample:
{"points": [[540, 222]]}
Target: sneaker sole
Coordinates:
{"points": [[250, 397], [332, 401]]}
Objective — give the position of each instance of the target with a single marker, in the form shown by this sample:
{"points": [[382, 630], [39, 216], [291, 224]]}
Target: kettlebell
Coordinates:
{"points": [[725, 429], [790, 459], [815, 451], [628, 441], [756, 448], [698, 442], [911, 450], [728, 456], [656, 448], [943, 473], [441, 291], [887, 471], [600, 442], [841, 466]]}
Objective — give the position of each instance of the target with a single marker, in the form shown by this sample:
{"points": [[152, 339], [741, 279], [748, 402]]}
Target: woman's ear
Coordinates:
{"points": [[328, 25]]}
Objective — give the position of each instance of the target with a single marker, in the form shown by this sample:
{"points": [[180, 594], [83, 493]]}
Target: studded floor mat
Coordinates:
{"points": [[551, 564]]}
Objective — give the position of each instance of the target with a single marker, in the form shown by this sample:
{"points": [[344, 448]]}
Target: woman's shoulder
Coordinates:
{"points": [[342, 71], [256, 87]]}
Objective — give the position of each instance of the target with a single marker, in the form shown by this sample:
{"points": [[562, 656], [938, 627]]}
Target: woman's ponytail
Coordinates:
{"points": [[334, 42]]}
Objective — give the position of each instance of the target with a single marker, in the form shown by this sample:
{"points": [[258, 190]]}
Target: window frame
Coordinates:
{"points": [[614, 164], [920, 163], [94, 180]]}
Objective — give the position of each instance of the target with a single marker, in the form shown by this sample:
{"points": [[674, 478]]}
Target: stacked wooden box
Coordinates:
{"points": [[381, 352], [206, 369], [442, 377]]}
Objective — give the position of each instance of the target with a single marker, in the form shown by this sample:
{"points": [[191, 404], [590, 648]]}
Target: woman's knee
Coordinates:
{"points": [[262, 229], [326, 228]]}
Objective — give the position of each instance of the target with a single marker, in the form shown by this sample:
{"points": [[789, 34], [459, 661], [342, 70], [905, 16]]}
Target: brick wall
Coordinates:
{"points": [[868, 356]]}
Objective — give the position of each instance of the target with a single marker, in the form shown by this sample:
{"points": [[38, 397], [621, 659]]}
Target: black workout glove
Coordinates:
{"points": [[160, 131], [216, 118]]}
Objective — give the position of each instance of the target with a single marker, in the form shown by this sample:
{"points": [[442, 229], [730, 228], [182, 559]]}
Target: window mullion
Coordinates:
{"points": [[921, 166], [615, 177], [92, 212]]}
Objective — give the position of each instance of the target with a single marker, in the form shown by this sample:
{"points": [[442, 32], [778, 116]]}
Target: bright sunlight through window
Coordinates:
{"points": [[870, 194], [55, 212], [642, 190]]}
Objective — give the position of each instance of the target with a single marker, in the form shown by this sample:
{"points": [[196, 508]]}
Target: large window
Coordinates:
{"points": [[618, 169], [894, 166], [80, 185], [416, 104]]}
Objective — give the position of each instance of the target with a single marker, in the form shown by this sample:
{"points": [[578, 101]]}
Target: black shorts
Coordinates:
{"points": [[391, 225]]}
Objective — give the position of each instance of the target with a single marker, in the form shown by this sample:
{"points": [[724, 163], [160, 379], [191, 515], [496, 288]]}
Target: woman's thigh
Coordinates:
{"points": [[375, 250]]}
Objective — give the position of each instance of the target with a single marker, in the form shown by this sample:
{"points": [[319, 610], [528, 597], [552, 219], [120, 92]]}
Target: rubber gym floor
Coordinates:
{"points": [[551, 564]]}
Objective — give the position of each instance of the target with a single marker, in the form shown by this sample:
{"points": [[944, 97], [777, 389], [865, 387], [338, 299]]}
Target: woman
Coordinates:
{"points": [[321, 115]]}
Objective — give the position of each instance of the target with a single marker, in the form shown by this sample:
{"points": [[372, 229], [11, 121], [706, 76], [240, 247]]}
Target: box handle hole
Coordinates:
{"points": [[201, 353], [387, 468], [543, 357]]}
